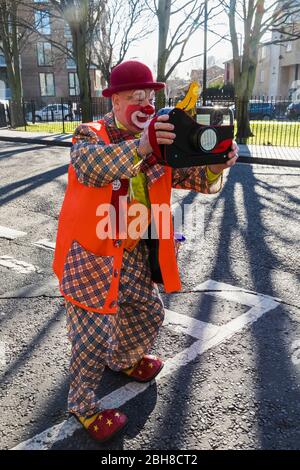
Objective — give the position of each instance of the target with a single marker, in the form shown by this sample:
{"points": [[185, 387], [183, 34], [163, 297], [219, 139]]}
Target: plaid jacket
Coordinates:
{"points": [[98, 164]]}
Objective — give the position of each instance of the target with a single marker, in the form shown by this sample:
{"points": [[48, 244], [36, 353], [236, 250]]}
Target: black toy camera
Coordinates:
{"points": [[203, 142]]}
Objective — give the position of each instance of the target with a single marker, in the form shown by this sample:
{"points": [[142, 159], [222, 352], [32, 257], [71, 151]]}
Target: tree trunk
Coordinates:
{"points": [[245, 60], [15, 84], [16, 109], [243, 122], [161, 68], [163, 15], [244, 89], [85, 91], [11, 49], [80, 52], [79, 31]]}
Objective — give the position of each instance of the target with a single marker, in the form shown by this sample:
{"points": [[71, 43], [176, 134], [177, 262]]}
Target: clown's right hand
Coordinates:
{"points": [[164, 135]]}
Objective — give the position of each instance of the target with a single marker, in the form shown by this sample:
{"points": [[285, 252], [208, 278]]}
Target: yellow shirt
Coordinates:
{"points": [[138, 188]]}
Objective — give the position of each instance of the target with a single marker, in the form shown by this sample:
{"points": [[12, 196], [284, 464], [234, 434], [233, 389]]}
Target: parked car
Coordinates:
{"points": [[293, 111], [52, 112], [259, 110]]}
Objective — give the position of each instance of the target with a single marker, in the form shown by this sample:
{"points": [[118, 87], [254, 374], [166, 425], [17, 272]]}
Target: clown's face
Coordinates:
{"points": [[134, 108]]}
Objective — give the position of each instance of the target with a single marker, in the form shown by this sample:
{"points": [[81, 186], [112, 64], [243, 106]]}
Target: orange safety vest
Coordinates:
{"points": [[78, 221]]}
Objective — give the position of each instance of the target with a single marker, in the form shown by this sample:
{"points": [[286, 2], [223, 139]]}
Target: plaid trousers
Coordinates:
{"points": [[118, 341]]}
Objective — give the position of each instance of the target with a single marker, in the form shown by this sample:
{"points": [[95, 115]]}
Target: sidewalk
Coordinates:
{"points": [[9, 135], [257, 154]]}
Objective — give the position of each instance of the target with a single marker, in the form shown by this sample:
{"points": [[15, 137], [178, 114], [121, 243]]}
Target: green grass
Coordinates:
{"points": [[265, 132], [50, 127], [275, 133]]}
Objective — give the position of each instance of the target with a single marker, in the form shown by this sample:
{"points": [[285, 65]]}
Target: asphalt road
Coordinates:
{"points": [[232, 374]]}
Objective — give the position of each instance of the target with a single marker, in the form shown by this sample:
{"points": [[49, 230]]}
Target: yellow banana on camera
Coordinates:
{"points": [[191, 97]]}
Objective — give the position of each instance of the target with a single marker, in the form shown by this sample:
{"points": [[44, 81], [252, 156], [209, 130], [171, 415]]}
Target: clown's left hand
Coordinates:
{"points": [[233, 156]]}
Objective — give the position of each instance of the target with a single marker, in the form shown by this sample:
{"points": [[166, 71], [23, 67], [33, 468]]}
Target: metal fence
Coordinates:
{"points": [[273, 121], [59, 115]]}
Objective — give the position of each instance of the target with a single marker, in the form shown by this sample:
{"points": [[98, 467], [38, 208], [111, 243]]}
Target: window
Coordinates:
{"points": [[262, 76], [73, 84], [44, 53], [263, 52], [289, 47], [67, 31], [70, 62], [47, 84], [2, 58], [42, 21]]}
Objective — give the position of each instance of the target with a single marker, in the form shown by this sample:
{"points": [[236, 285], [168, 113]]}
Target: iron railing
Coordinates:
{"points": [[273, 121]]}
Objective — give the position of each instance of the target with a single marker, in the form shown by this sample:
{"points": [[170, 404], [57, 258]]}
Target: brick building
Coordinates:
{"points": [[213, 73], [47, 72]]}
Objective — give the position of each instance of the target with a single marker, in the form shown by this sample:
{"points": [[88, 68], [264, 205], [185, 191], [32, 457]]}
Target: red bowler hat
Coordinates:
{"points": [[131, 75]]}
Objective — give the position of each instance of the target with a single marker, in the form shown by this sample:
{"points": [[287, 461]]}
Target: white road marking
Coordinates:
{"points": [[10, 233], [45, 243], [296, 352], [232, 293], [189, 326], [17, 265], [2, 354], [49, 289], [208, 337]]}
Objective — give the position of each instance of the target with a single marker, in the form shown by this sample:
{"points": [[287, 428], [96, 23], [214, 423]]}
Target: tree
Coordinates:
{"points": [[257, 18], [185, 17], [13, 36], [121, 25], [82, 16]]}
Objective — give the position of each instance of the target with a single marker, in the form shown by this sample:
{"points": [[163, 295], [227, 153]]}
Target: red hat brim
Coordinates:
{"points": [[108, 92]]}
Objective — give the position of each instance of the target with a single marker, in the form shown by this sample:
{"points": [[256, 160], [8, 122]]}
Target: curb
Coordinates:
{"points": [[33, 140]]}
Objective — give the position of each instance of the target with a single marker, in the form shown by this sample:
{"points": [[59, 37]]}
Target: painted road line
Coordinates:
{"points": [[19, 266], [225, 332], [50, 289], [10, 233], [232, 293], [122, 395], [190, 326], [45, 243], [2, 354]]}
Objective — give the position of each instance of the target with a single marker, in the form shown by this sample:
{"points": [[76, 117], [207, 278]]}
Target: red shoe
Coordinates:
{"points": [[104, 425], [146, 369]]}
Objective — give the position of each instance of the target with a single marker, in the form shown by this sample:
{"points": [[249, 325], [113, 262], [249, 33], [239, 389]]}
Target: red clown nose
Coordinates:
{"points": [[148, 109]]}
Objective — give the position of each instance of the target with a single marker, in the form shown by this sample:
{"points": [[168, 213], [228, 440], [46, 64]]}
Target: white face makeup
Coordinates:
{"points": [[138, 97], [139, 119]]}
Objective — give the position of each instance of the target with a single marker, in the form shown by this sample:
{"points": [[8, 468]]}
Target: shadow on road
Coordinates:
{"points": [[15, 190], [275, 385]]}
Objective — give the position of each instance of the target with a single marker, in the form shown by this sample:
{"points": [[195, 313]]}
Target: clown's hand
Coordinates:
{"points": [[232, 159], [164, 135]]}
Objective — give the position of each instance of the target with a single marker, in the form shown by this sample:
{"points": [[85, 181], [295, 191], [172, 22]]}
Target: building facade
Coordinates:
{"points": [[278, 67], [4, 87], [214, 73], [48, 72]]}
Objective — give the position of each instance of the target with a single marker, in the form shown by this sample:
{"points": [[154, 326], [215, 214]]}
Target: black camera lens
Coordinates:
{"points": [[204, 139]]}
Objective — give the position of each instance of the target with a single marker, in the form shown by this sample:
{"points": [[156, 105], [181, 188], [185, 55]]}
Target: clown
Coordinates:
{"points": [[114, 310]]}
